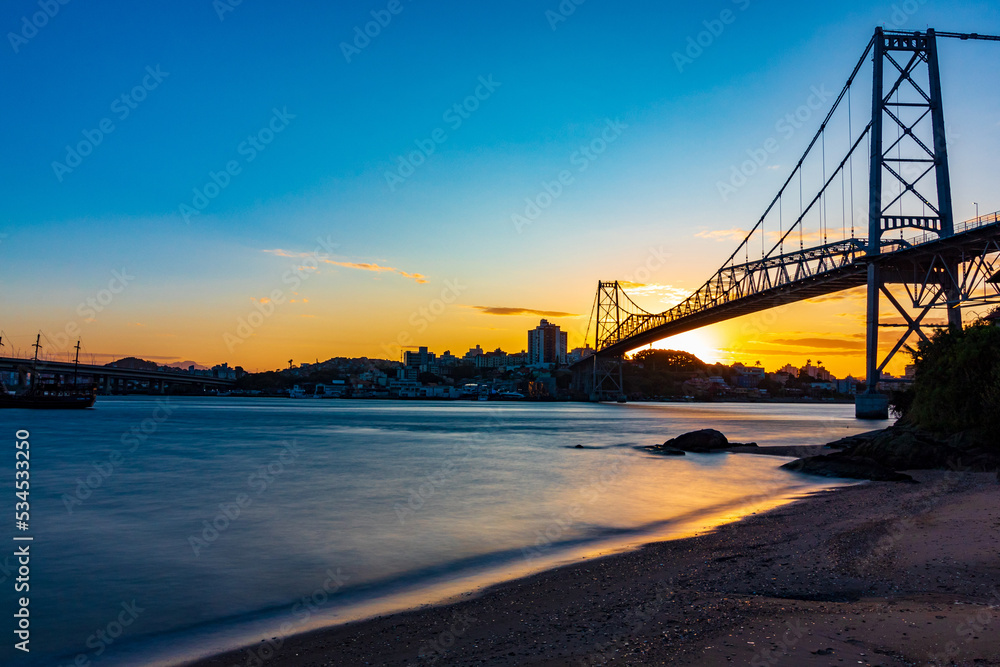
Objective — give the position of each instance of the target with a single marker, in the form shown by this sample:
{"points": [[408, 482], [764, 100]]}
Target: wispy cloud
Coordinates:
{"points": [[286, 253], [359, 266], [365, 266], [821, 343], [496, 310], [734, 234], [668, 295], [808, 236], [856, 294]]}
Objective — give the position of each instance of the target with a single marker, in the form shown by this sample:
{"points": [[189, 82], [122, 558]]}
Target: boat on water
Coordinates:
{"points": [[50, 396], [510, 396]]}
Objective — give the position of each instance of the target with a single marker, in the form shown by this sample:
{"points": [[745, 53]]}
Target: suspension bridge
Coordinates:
{"points": [[893, 178]]}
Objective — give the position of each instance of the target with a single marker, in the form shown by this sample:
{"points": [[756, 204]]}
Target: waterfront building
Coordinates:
{"points": [[547, 344], [579, 354], [517, 359], [848, 385], [447, 359], [495, 359], [748, 377], [789, 370], [470, 356], [421, 359], [815, 372]]}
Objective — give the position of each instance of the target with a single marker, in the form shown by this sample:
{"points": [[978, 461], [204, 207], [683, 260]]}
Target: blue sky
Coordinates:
{"points": [[345, 125]]}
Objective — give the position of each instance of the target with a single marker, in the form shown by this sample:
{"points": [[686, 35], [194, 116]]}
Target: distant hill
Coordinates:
{"points": [[187, 364], [133, 364]]}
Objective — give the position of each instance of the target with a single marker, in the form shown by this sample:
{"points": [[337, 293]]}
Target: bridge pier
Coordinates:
{"points": [[871, 406], [599, 378], [582, 381]]}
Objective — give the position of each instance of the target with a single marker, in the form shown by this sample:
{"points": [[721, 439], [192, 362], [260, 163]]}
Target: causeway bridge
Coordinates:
{"points": [[896, 161], [110, 380]]}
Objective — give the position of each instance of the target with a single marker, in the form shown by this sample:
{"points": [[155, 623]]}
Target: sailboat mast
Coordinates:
{"points": [[34, 365], [76, 364]]}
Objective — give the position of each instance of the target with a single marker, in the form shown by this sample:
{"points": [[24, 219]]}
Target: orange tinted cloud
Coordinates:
{"points": [[824, 343], [495, 310], [364, 266], [360, 266], [734, 234]]}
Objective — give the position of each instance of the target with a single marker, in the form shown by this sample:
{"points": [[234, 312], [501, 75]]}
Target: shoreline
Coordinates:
{"points": [[466, 583], [845, 571]]}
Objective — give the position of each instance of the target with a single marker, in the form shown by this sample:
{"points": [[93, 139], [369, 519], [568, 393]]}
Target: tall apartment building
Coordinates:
{"points": [[547, 344]]}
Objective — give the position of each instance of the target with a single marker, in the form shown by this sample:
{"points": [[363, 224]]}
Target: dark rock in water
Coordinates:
{"points": [[578, 447], [663, 450], [743, 444], [705, 440], [846, 465]]}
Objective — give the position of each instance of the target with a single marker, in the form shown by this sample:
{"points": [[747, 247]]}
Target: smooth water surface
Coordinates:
{"points": [[175, 526]]}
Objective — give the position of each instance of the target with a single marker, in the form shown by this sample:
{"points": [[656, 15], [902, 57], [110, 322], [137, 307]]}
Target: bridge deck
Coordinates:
{"points": [[13, 364], [900, 261]]}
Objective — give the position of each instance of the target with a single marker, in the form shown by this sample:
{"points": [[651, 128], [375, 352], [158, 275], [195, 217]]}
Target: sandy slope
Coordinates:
{"points": [[876, 574]]}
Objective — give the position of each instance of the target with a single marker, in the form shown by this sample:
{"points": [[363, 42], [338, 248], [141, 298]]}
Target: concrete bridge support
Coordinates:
{"points": [[599, 377]]}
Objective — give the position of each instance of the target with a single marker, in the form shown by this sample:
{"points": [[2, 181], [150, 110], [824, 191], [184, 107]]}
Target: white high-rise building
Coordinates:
{"points": [[547, 344]]}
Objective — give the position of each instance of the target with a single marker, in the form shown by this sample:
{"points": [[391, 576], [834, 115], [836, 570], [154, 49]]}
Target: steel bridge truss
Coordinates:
{"points": [[949, 267], [928, 268], [620, 320]]}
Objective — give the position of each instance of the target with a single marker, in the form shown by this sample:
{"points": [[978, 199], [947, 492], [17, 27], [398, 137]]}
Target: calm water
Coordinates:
{"points": [[167, 530]]}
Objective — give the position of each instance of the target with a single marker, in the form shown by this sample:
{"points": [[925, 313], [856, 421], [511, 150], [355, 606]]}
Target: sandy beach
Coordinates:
{"points": [[880, 573]]}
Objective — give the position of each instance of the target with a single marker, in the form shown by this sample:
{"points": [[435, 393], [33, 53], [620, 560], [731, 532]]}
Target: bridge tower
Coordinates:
{"points": [[913, 94], [606, 382]]}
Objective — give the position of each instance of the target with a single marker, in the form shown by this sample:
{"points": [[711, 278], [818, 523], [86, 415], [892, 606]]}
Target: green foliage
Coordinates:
{"points": [[670, 360], [463, 372], [661, 372], [264, 381], [958, 381], [901, 401], [429, 378]]}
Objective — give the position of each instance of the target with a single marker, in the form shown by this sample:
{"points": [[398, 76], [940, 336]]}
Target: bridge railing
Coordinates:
{"points": [[729, 284], [975, 223]]}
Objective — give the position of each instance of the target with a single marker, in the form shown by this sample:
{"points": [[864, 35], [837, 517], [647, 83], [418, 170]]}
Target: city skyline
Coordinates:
{"points": [[396, 192], [537, 353]]}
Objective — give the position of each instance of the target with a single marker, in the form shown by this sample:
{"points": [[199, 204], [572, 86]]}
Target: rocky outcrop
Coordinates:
{"points": [[705, 440], [908, 448], [847, 466], [877, 455], [853, 440]]}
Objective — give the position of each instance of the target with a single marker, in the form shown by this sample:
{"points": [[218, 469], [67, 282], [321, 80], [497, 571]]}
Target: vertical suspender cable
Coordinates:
{"points": [[781, 227], [843, 204], [850, 138], [824, 221], [799, 223]]}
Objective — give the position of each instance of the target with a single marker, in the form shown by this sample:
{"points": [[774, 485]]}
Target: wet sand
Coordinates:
{"points": [[880, 573]]}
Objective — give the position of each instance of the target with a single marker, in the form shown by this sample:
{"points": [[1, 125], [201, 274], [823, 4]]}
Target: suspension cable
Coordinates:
{"points": [[812, 143], [816, 198]]}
